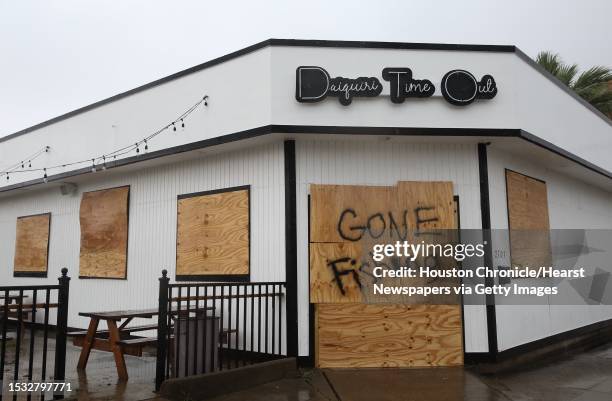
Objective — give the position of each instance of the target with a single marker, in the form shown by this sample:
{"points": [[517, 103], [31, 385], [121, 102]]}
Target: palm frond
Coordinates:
{"points": [[550, 61], [594, 76], [567, 73]]}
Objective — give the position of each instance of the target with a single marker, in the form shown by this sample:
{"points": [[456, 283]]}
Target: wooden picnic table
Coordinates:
{"points": [[112, 341]]}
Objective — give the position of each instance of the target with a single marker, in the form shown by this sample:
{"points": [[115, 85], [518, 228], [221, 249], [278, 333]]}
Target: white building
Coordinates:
{"points": [[254, 132]]}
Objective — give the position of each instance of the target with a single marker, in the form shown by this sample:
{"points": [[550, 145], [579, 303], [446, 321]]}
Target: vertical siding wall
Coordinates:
{"points": [[152, 225], [572, 205], [378, 162]]}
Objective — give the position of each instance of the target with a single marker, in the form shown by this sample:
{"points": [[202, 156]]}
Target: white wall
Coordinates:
{"points": [[258, 89], [525, 99], [238, 92], [152, 225], [571, 205], [377, 162]]}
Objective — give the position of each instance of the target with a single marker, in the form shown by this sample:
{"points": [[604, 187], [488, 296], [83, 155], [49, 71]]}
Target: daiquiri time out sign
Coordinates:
{"points": [[458, 87]]}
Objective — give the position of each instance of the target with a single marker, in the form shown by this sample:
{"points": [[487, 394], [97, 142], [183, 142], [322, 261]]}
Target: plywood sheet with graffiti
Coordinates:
{"points": [[347, 221], [528, 221], [355, 328], [361, 335], [32, 245], [104, 233], [213, 234]]}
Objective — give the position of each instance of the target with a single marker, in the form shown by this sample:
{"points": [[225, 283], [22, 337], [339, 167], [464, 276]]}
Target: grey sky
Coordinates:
{"points": [[56, 56]]}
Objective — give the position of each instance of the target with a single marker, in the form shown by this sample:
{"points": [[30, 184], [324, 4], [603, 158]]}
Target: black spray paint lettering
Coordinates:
{"points": [[421, 219], [339, 272], [375, 226], [402, 86]]}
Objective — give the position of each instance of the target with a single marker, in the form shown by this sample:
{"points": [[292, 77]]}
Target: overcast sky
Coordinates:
{"points": [[56, 56]]}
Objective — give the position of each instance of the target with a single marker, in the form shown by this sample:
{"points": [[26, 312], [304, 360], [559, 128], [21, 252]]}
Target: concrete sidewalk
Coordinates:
{"points": [[582, 377]]}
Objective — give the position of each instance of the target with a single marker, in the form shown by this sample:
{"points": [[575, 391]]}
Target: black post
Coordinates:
{"points": [[162, 330], [291, 249], [485, 209], [61, 326]]}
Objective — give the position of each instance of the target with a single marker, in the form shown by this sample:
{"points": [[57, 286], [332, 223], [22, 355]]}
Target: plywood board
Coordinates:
{"points": [[360, 335], [104, 233], [32, 245], [362, 216], [213, 234], [528, 221], [334, 273]]}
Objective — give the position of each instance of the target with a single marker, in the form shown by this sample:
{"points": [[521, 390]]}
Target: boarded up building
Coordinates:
{"points": [[283, 166]]}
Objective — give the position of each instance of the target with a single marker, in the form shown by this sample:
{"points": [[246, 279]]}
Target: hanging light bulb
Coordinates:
{"points": [[7, 176], [93, 166], [137, 148], [29, 163], [45, 176], [22, 165], [47, 148], [146, 146], [103, 162], [173, 127], [182, 124], [205, 100]]}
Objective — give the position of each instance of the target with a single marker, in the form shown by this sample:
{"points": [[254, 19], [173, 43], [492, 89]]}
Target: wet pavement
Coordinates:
{"points": [[582, 377], [99, 382]]}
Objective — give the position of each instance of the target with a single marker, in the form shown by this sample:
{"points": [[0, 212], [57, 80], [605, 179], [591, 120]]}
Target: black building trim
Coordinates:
{"points": [[317, 43], [291, 248], [485, 211], [324, 129]]}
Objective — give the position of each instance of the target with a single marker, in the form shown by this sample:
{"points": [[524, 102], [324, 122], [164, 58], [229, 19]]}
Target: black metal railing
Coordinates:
{"points": [[26, 316], [207, 327]]}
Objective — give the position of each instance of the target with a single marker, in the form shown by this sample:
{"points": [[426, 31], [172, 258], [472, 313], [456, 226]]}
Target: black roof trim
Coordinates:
{"points": [[324, 129]]}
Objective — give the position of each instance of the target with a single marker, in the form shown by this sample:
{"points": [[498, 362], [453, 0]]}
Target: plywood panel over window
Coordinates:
{"points": [[213, 235], [345, 222], [528, 221], [32, 246], [104, 233]]}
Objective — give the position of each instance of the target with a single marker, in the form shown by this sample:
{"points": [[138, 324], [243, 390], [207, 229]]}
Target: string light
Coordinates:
{"points": [[117, 153]]}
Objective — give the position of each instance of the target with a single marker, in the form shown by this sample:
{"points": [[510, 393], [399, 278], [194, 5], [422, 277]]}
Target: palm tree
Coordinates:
{"points": [[593, 85]]}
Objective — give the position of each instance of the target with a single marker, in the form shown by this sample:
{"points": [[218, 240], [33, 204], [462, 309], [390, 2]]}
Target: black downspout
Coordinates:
{"points": [[488, 256], [291, 249]]}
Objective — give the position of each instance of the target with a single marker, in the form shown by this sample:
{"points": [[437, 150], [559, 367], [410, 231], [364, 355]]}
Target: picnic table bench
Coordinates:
{"points": [[117, 337]]}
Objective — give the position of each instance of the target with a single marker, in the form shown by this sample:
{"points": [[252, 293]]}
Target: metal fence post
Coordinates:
{"points": [[162, 330], [61, 326]]}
